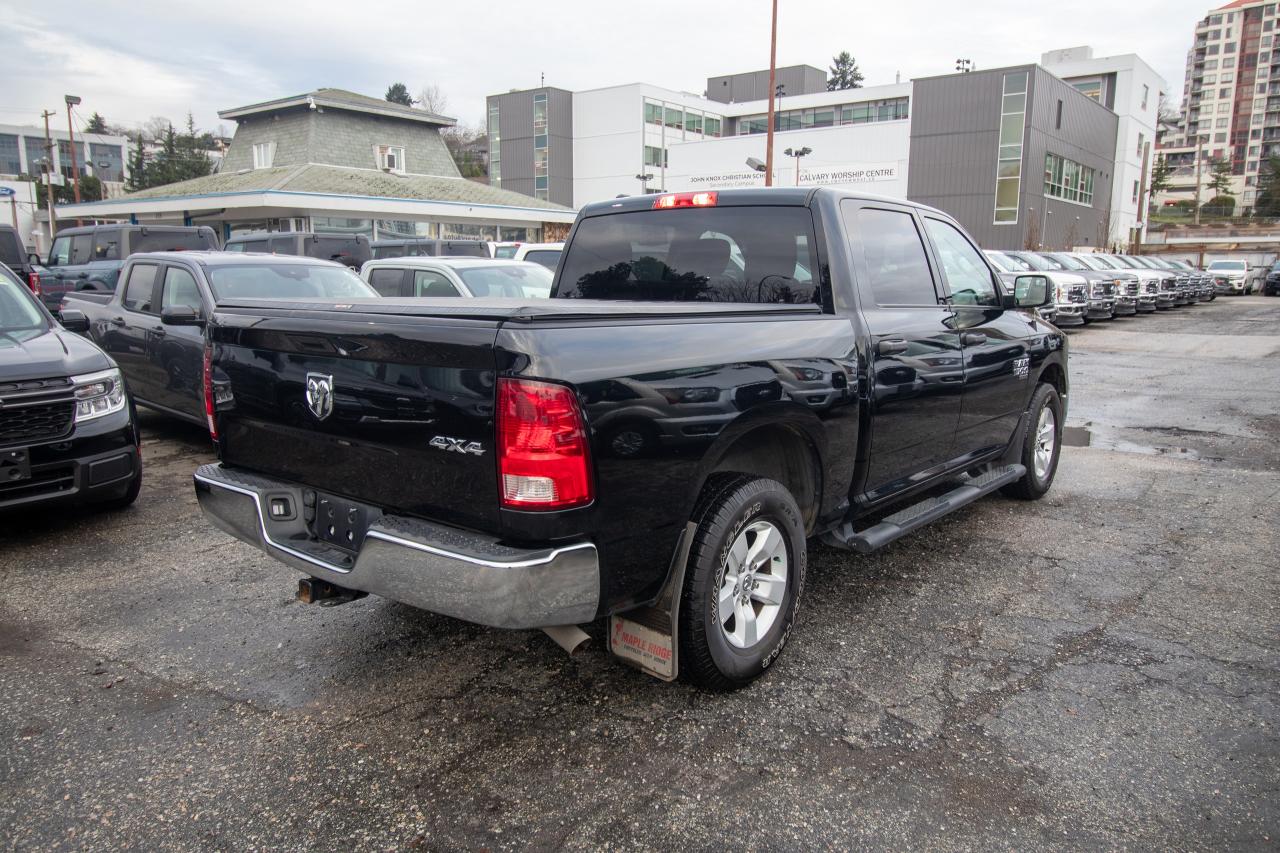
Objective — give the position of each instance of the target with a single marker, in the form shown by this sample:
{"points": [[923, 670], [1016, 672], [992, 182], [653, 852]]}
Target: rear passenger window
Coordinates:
{"points": [[283, 245], [386, 281], [968, 276], [428, 283], [140, 289], [82, 249], [897, 268], [106, 244], [180, 288]]}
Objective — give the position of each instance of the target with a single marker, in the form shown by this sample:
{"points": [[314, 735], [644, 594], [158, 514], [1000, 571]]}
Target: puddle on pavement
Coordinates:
{"points": [[1085, 437]]}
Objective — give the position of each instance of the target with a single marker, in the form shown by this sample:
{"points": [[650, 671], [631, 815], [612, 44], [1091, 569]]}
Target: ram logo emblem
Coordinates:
{"points": [[319, 394], [457, 445]]}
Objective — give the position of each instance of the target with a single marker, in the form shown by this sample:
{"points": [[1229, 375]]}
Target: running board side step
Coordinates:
{"points": [[926, 511]]}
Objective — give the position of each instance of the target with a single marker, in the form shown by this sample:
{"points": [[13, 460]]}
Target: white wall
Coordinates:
{"points": [[872, 157], [1132, 74], [25, 195]]}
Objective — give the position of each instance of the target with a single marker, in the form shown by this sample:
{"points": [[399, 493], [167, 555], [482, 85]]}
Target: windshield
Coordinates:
{"points": [[515, 280], [1032, 261], [19, 316], [700, 254], [1227, 265], [1096, 262], [546, 257], [1068, 262], [506, 251], [286, 281], [1003, 262]]}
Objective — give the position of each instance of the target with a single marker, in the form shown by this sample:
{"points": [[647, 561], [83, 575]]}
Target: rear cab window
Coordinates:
{"points": [[387, 280], [170, 241], [704, 254]]}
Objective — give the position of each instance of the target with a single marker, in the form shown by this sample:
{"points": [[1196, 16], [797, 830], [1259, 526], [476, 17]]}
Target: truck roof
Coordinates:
{"points": [[213, 258], [776, 196]]}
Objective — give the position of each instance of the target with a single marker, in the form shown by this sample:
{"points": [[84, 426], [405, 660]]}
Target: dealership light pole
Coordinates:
{"points": [[797, 154], [773, 70], [644, 180]]}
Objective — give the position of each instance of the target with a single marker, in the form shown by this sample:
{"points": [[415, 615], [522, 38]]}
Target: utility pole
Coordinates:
{"points": [[797, 154], [773, 69], [48, 173]]}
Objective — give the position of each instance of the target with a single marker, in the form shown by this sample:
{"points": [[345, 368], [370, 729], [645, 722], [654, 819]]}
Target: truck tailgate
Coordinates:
{"points": [[396, 414]]}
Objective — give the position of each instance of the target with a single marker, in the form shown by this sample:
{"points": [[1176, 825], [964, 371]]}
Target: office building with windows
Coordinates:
{"points": [[336, 161], [1016, 155]]}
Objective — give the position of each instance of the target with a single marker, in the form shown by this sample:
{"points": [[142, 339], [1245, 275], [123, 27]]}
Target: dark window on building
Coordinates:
{"points": [[10, 161], [1057, 124]]}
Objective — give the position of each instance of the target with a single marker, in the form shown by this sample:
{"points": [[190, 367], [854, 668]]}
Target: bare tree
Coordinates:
{"points": [[432, 99], [1073, 235], [1104, 229], [155, 128], [1032, 241]]}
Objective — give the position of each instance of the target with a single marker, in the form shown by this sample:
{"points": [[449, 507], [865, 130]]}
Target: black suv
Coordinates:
{"points": [[90, 257], [67, 427], [349, 249], [409, 247], [15, 256], [1271, 285]]}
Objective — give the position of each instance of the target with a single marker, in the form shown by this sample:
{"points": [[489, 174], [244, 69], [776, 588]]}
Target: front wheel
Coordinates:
{"points": [[1041, 446], [743, 581]]}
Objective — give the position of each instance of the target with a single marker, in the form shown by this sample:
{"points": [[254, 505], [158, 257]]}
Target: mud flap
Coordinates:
{"points": [[646, 637]]}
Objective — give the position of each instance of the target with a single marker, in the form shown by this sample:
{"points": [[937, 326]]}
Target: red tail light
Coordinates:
{"points": [[542, 446], [208, 393], [33, 282], [666, 202]]}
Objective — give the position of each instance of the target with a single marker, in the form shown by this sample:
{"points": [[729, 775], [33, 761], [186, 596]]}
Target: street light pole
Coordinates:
{"points": [[773, 69], [72, 100], [797, 154]]}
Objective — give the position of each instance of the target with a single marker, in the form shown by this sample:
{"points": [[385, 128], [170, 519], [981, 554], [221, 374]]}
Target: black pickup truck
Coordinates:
{"points": [[153, 324], [718, 378]]}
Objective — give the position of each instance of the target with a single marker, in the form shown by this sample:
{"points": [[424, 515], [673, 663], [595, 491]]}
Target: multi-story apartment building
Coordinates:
{"points": [[1231, 100]]}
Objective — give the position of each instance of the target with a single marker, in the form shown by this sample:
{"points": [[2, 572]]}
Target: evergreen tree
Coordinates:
{"points": [[97, 124], [1220, 177], [138, 168], [1161, 172], [398, 93], [1267, 204], [844, 73]]}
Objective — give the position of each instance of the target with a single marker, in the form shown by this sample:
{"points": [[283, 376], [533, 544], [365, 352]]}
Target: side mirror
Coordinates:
{"points": [[73, 320], [181, 315], [1031, 291]]}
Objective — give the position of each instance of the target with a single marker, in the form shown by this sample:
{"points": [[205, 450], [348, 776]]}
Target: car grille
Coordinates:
{"points": [[1077, 294], [1103, 289], [35, 423], [1151, 287], [1131, 288], [757, 393], [35, 410]]}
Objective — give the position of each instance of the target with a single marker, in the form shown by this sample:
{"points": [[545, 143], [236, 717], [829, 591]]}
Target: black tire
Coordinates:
{"points": [[731, 503], [1033, 486]]}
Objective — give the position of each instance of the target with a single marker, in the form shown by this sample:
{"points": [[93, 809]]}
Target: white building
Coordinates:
{"points": [[1131, 89]]}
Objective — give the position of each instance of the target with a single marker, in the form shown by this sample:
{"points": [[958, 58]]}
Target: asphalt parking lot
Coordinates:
{"points": [[1099, 669]]}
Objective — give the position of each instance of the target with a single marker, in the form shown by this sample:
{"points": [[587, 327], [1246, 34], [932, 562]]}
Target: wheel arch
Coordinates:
{"points": [[787, 446]]}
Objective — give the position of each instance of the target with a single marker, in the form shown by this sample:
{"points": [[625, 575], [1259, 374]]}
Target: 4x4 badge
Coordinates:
{"points": [[320, 395], [457, 445]]}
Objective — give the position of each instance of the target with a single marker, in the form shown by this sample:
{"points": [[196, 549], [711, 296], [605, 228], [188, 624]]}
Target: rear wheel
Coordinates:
{"points": [[1041, 446], [743, 581]]}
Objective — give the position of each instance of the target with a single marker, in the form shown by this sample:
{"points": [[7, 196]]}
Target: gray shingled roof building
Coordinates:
{"points": [[332, 160]]}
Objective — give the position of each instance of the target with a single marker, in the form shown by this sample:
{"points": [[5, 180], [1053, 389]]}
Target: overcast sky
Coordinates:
{"points": [[131, 61]]}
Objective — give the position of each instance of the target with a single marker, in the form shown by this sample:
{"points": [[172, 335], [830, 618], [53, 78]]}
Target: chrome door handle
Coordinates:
{"points": [[891, 346], [972, 339]]}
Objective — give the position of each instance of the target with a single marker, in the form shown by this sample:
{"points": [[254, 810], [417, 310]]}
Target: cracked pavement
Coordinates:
{"points": [[1098, 669]]}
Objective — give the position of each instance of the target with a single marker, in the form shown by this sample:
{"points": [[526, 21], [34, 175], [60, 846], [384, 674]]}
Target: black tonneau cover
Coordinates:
{"points": [[510, 310]]}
